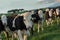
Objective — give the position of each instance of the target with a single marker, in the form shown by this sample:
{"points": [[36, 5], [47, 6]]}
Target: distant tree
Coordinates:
{"points": [[20, 10], [15, 10]]}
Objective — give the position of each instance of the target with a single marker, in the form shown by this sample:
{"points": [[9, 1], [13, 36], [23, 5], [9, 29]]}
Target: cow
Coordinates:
{"points": [[23, 23], [41, 15], [51, 16], [47, 16], [37, 18], [6, 24], [1, 29], [57, 14], [3, 24]]}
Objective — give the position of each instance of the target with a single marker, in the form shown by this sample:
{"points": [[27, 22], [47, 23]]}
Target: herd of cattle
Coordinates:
{"points": [[20, 25]]}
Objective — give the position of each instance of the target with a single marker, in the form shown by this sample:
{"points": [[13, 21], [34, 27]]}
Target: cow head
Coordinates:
{"points": [[57, 11], [51, 12], [4, 19], [37, 16], [27, 19]]}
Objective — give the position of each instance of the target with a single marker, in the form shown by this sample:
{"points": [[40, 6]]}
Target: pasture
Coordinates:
{"points": [[50, 32]]}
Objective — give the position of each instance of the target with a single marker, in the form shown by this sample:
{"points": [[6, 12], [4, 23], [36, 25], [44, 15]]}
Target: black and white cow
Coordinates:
{"points": [[22, 23], [38, 18], [6, 24], [57, 14], [49, 14], [2, 29], [3, 24]]}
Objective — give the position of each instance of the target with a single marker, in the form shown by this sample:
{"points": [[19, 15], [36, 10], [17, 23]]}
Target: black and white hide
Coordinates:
{"points": [[37, 18], [3, 25], [23, 22], [49, 16], [57, 14]]}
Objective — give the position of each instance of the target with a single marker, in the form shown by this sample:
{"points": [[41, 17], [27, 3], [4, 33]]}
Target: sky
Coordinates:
{"points": [[6, 5]]}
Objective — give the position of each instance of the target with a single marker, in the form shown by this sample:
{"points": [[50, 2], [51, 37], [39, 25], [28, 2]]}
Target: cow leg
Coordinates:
{"points": [[0, 37], [47, 21], [51, 21], [19, 35], [14, 35], [25, 35], [57, 20], [42, 24], [6, 31], [5, 35], [38, 27], [32, 30]]}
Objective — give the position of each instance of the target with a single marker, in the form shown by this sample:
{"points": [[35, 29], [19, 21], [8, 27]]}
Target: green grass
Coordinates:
{"points": [[51, 32]]}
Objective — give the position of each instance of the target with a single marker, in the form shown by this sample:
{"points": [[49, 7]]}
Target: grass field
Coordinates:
{"points": [[51, 32]]}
